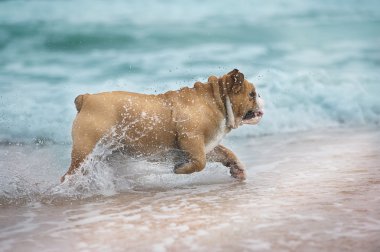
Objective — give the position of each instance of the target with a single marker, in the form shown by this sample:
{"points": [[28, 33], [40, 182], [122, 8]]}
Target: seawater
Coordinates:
{"points": [[315, 63]]}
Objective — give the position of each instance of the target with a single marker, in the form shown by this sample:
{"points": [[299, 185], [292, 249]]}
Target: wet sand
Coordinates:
{"points": [[312, 191]]}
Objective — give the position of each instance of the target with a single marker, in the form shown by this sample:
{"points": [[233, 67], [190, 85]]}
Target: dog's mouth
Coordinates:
{"points": [[252, 116]]}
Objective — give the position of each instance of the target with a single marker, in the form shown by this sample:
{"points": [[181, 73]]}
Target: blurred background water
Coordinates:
{"points": [[313, 176], [316, 63]]}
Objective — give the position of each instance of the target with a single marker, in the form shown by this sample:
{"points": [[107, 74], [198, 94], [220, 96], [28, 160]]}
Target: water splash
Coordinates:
{"points": [[33, 172]]}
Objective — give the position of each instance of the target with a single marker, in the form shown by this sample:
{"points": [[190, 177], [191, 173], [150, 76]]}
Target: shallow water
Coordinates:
{"points": [[305, 191]]}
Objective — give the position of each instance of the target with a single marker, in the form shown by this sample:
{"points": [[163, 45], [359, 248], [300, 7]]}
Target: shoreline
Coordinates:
{"points": [[308, 191]]}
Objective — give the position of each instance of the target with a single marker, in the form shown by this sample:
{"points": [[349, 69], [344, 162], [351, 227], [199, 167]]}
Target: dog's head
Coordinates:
{"points": [[243, 103]]}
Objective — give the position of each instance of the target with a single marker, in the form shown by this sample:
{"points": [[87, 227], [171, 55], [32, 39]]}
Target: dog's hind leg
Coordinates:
{"points": [[81, 149], [225, 156]]}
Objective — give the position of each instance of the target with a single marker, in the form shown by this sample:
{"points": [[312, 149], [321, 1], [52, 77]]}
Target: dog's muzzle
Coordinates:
{"points": [[252, 114], [253, 117]]}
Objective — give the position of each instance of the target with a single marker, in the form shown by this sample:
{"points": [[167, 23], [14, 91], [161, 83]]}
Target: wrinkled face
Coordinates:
{"points": [[247, 105]]}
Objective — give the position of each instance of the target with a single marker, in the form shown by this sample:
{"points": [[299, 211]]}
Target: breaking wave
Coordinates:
{"points": [[293, 102]]}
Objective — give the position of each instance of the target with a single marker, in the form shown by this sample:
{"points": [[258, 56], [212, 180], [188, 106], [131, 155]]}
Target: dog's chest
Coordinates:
{"points": [[217, 137]]}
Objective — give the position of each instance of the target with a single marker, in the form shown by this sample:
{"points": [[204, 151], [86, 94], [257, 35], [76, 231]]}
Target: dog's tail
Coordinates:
{"points": [[79, 101]]}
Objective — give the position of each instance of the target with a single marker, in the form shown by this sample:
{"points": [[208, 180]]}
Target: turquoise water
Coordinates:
{"points": [[315, 63]]}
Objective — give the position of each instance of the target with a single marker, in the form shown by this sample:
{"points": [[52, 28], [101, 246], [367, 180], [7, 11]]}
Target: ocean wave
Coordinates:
{"points": [[293, 102], [305, 101], [312, 70]]}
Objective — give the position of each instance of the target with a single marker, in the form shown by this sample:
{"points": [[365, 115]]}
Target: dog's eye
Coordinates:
{"points": [[252, 95]]}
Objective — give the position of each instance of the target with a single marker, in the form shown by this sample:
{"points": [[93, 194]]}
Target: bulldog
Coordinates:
{"points": [[192, 120]]}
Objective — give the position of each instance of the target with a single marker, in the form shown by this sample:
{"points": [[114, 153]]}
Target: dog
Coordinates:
{"points": [[192, 120]]}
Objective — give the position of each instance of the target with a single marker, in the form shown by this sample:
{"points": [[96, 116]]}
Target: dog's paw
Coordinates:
{"points": [[237, 171], [181, 168]]}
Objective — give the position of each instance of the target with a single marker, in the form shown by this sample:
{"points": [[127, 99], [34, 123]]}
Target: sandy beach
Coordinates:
{"points": [[310, 191]]}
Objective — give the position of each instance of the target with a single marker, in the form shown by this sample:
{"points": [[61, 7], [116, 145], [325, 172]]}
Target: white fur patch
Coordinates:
{"points": [[260, 103], [222, 131]]}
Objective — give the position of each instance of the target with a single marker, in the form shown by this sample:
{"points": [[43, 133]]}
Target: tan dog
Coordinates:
{"points": [[193, 120]]}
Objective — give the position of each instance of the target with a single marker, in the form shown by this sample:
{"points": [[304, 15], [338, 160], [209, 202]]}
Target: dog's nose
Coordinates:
{"points": [[260, 113]]}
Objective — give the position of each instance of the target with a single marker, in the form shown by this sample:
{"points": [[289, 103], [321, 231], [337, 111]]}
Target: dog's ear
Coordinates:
{"points": [[237, 80]]}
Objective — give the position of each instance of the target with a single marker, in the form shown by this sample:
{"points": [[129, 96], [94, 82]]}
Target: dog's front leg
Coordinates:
{"points": [[227, 158], [194, 148]]}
